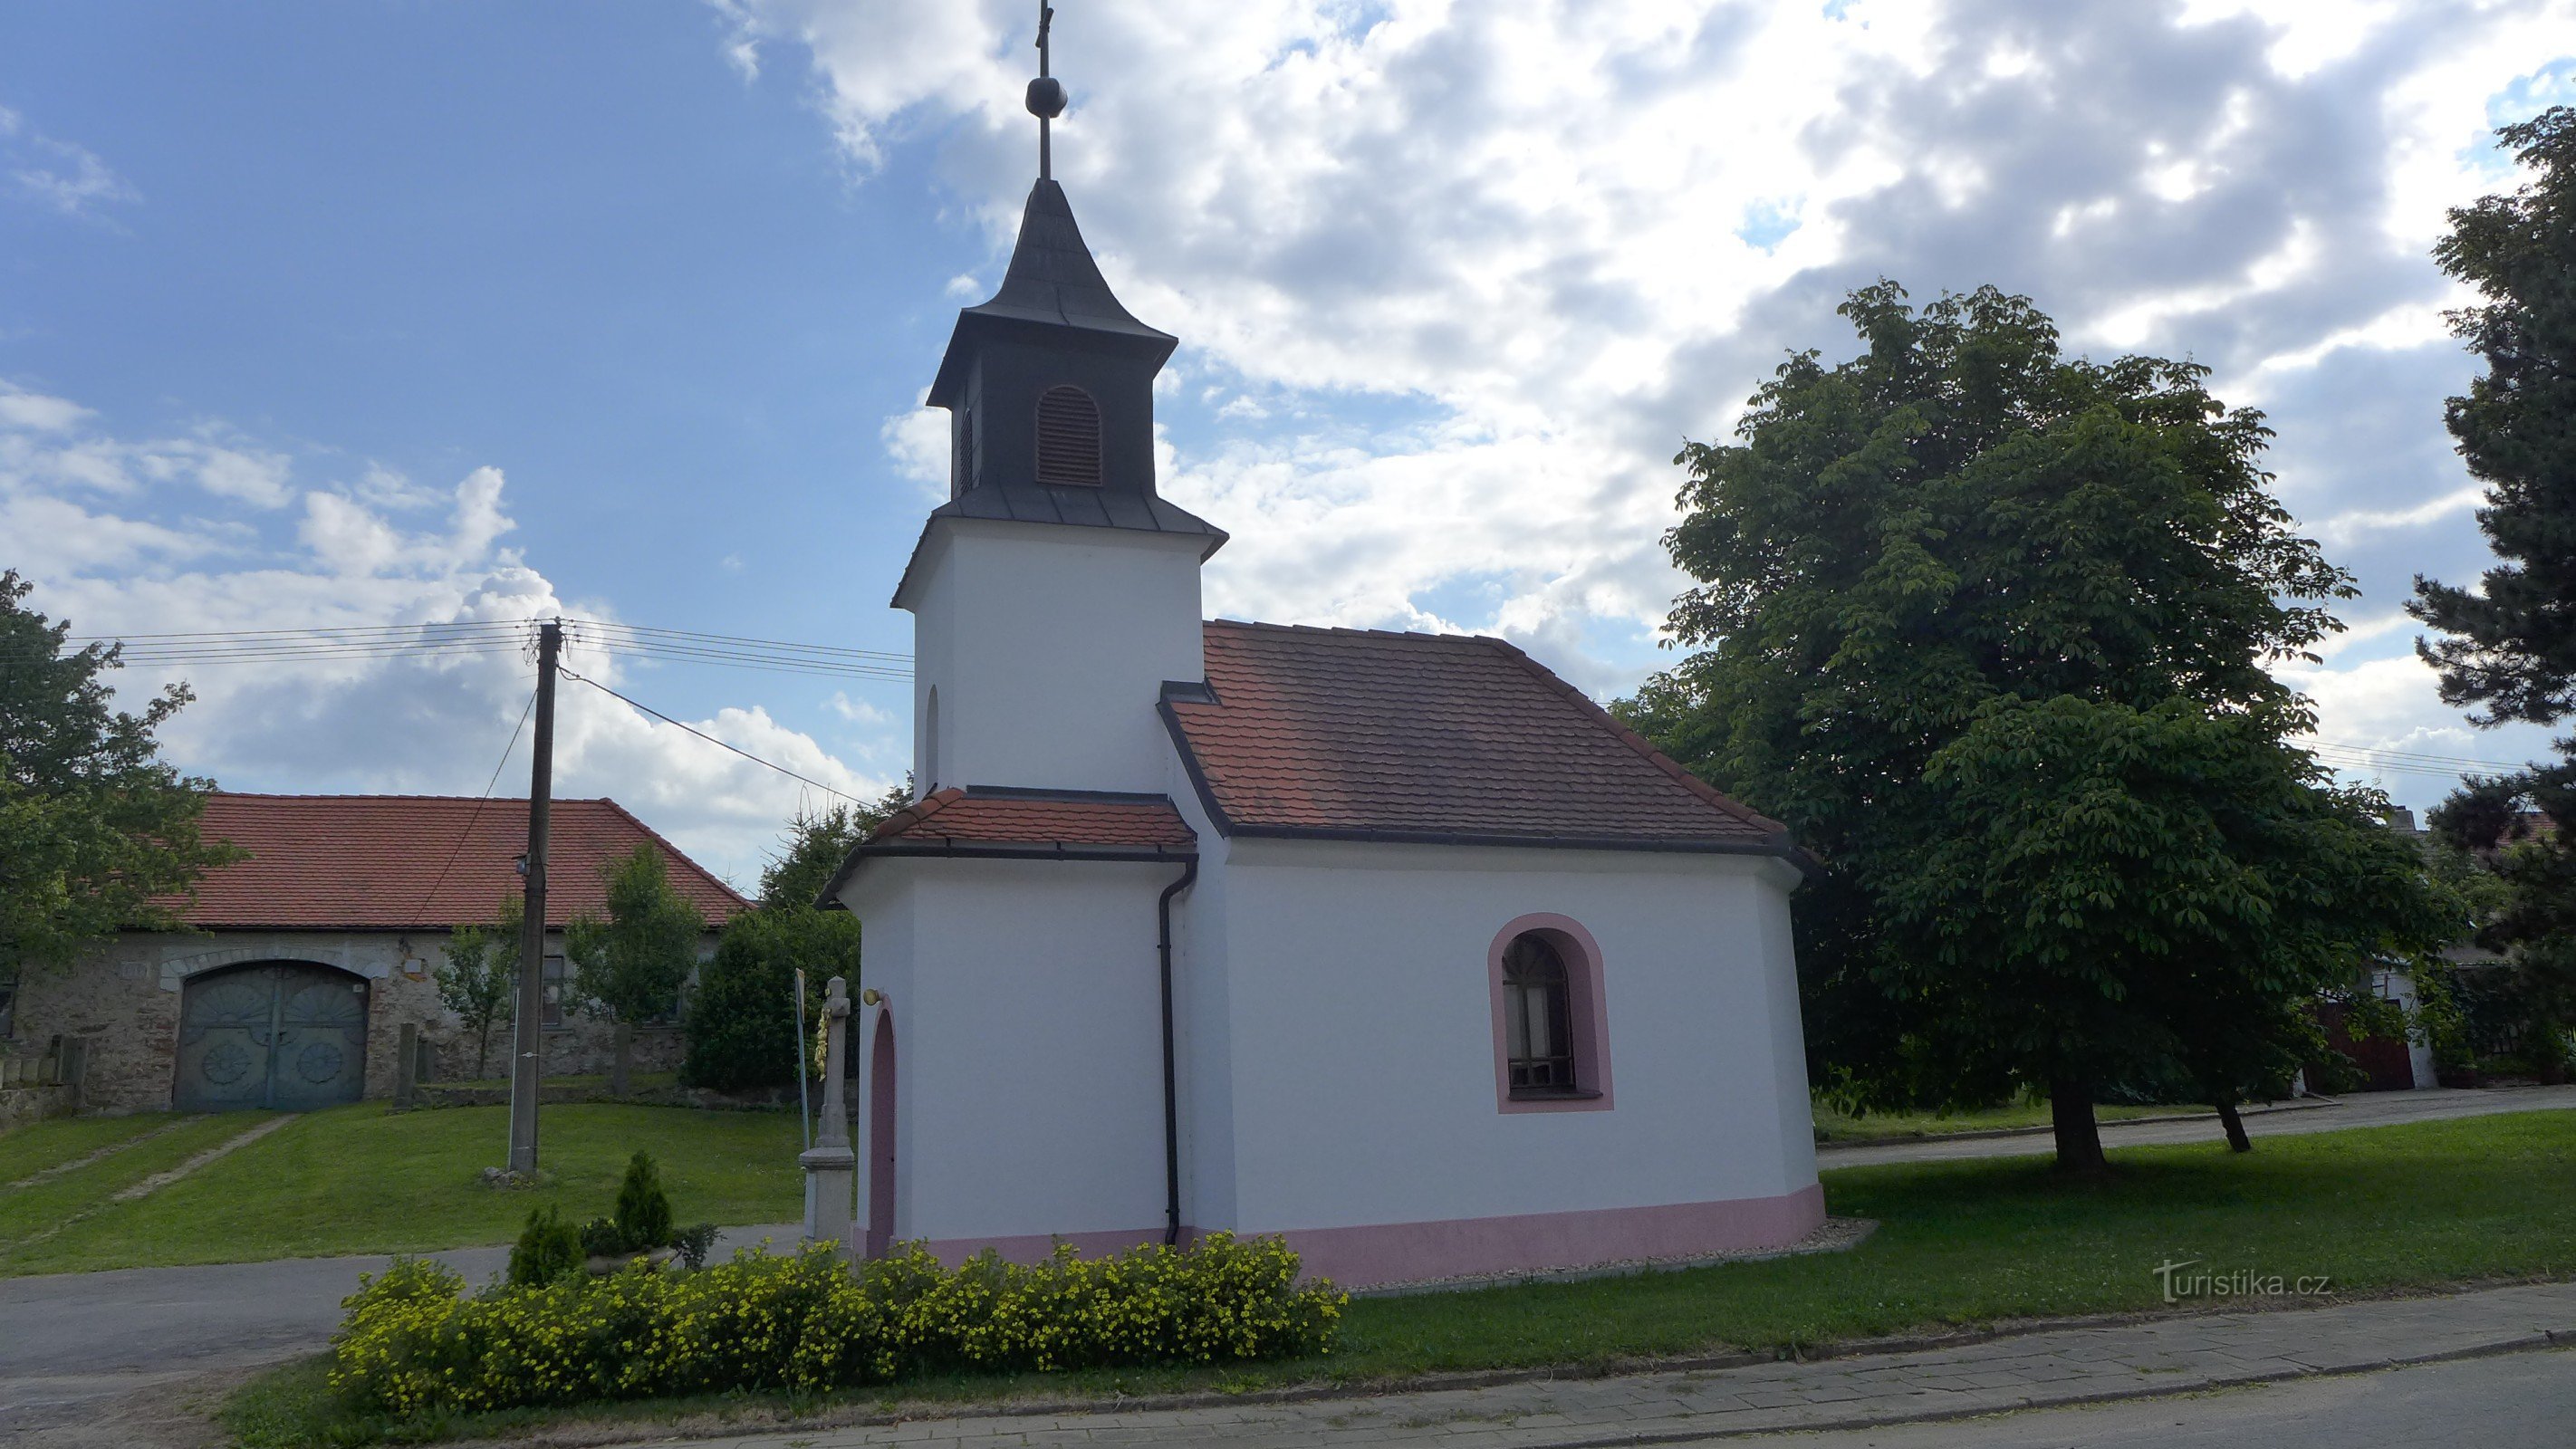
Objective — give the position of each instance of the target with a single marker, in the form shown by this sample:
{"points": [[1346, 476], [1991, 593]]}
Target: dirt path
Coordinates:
{"points": [[96, 1155], [133, 1192]]}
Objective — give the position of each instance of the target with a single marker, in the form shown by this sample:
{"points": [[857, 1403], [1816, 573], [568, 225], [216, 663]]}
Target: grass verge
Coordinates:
{"points": [[1834, 1126], [361, 1179], [1969, 1242]]}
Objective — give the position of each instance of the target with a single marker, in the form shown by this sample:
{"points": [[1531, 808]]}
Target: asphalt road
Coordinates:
{"points": [[72, 1340], [2511, 1401], [2366, 1109]]}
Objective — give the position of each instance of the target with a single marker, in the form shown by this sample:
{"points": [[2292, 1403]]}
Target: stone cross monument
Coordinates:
{"points": [[830, 1166]]}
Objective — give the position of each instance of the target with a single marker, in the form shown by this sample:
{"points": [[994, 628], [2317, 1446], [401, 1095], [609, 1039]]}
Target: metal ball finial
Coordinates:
{"points": [[1046, 98]]}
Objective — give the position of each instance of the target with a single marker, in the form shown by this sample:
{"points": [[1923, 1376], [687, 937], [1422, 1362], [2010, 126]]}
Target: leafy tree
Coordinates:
{"points": [[742, 1017], [2510, 645], [479, 980], [1943, 562], [818, 841], [2126, 892], [633, 964], [2532, 920], [97, 833]]}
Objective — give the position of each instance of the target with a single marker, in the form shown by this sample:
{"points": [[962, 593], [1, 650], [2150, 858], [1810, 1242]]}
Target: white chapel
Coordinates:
{"points": [[1395, 945]]}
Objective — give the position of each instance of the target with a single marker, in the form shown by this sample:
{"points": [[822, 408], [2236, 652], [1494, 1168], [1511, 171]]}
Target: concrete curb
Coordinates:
{"points": [[2531, 1343]]}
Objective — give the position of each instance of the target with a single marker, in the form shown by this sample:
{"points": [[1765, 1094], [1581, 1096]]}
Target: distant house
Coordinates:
{"points": [[307, 958]]}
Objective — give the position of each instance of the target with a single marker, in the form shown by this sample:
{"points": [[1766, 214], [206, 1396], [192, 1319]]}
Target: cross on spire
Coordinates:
{"points": [[1046, 96]]}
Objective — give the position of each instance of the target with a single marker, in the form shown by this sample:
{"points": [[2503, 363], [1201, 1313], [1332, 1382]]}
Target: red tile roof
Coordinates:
{"points": [[392, 862], [987, 817], [1363, 733]]}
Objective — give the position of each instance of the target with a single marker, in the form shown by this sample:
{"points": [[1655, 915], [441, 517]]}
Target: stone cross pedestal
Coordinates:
{"points": [[831, 1168]]}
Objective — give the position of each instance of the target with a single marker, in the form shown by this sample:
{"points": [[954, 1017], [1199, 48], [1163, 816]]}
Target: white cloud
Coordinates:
{"points": [[857, 711], [346, 538], [432, 722], [1555, 239], [252, 476], [57, 174], [918, 442], [2346, 528], [37, 413]]}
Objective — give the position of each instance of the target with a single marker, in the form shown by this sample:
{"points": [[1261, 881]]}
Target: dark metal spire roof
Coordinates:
{"points": [[1052, 282]]}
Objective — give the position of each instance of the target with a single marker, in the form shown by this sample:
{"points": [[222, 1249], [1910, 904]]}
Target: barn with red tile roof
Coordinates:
{"points": [[306, 958]]}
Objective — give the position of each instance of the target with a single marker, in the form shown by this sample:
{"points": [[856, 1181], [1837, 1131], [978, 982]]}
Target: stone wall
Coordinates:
{"points": [[124, 1000], [22, 1105]]}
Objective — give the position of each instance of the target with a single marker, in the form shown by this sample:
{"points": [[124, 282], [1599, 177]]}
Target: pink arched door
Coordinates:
{"points": [[881, 1138]]}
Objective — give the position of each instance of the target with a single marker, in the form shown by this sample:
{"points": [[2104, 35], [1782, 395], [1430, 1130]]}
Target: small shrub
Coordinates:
{"points": [[694, 1242], [548, 1249], [413, 1344], [643, 1208], [601, 1239]]}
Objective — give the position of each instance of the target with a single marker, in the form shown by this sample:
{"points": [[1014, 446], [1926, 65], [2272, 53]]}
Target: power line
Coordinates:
{"points": [[711, 739], [362, 643], [477, 812], [736, 639]]}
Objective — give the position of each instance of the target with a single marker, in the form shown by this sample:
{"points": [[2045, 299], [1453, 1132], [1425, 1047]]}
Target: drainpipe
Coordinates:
{"points": [[1171, 1084]]}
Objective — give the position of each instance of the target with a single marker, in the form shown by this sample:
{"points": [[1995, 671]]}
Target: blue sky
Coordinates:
{"points": [[372, 312]]}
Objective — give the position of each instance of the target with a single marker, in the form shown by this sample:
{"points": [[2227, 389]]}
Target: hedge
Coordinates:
{"points": [[414, 1342]]}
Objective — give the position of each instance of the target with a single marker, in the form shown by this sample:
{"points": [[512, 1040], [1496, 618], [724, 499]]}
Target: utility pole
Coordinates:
{"points": [[529, 1037]]}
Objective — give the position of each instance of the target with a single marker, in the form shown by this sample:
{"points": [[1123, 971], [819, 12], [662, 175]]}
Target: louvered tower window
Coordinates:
{"points": [[1068, 437]]}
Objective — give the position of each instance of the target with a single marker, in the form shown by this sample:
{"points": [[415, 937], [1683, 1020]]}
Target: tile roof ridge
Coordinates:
{"points": [[434, 799], [1346, 632], [673, 851], [1635, 741], [1066, 795], [916, 812]]}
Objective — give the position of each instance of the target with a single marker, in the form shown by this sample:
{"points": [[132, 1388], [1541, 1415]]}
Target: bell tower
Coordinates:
{"points": [[1055, 591]]}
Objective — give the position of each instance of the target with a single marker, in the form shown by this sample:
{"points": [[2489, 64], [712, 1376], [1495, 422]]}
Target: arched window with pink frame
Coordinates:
{"points": [[1551, 1020]]}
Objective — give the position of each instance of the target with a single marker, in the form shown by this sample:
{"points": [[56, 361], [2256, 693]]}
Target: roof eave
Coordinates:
{"points": [[944, 848], [1778, 846]]}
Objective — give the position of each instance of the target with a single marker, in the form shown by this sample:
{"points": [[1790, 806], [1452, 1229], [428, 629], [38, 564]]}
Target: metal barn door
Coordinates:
{"points": [[283, 1035]]}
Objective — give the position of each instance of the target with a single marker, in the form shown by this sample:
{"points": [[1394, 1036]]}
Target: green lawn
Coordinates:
{"points": [[360, 1179], [1834, 1126], [1968, 1242]]}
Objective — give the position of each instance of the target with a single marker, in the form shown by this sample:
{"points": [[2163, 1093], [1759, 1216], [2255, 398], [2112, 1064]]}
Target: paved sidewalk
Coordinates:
{"points": [[2180, 1354], [2362, 1109]]}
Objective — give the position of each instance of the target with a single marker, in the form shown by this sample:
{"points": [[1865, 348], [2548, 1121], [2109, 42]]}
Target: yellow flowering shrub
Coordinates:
{"points": [[414, 1340]]}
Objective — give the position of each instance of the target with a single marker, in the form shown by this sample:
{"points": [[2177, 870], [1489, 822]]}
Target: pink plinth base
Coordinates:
{"points": [[1479, 1247]]}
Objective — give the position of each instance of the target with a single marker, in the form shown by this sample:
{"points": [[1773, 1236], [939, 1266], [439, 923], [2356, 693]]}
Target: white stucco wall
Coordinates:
{"points": [[1358, 1022], [1048, 647], [2399, 986], [1028, 1043]]}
